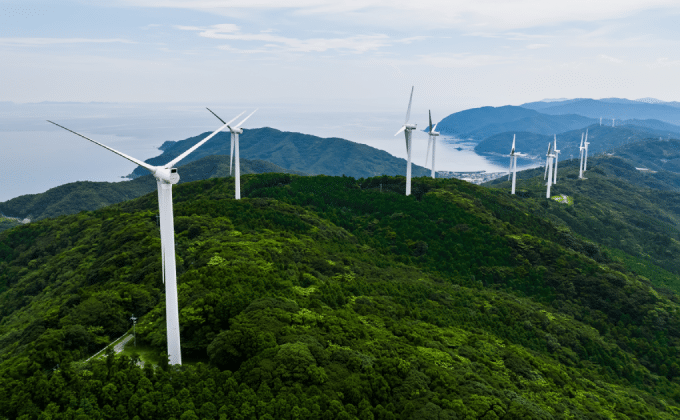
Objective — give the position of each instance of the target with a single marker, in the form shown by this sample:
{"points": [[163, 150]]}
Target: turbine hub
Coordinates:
{"points": [[410, 126], [236, 130], [168, 176]]}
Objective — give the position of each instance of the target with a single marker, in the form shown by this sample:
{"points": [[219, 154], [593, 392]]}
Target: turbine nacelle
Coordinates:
{"points": [[410, 126], [235, 130], [166, 175]]}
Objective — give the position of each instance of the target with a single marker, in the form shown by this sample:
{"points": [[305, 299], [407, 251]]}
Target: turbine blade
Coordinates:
{"points": [[408, 111], [194, 147], [430, 112], [406, 136], [435, 127], [130, 158], [226, 123], [244, 120], [223, 122], [199, 144], [403, 127]]}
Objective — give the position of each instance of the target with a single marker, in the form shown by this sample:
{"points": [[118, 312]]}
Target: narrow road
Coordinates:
{"points": [[120, 346]]}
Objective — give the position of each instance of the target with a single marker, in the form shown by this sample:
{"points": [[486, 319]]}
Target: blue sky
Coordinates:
{"points": [[351, 55]]}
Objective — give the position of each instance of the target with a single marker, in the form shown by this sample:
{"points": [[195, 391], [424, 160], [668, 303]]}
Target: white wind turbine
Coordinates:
{"points": [[165, 176], [557, 155], [235, 156], [580, 163], [549, 169], [407, 128], [432, 139], [513, 165]]}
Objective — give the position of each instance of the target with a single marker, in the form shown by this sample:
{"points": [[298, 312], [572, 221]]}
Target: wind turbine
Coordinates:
{"points": [[549, 168], [513, 165], [432, 139], [407, 128], [580, 163], [235, 131], [165, 176], [557, 154]]}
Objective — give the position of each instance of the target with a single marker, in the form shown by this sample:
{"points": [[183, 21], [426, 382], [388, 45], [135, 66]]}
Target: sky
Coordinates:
{"points": [[144, 70], [348, 55]]}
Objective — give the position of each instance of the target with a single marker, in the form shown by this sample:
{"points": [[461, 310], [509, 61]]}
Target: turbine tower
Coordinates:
{"points": [[235, 131], [557, 155], [580, 163], [432, 139], [613, 119], [547, 161], [165, 176], [407, 128], [549, 168], [600, 121], [585, 160]]}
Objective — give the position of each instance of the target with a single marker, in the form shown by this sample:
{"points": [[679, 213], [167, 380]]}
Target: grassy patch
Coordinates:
{"points": [[145, 352]]}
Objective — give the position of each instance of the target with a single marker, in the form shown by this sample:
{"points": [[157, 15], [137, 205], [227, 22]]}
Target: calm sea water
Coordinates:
{"points": [[37, 156]]}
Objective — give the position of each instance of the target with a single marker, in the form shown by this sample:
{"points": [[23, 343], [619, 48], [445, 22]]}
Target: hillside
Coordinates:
{"points": [[617, 206], [295, 152], [328, 297], [80, 196], [658, 155], [479, 123], [601, 138], [619, 109]]}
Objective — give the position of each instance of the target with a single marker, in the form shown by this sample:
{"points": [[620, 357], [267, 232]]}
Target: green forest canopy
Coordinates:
{"points": [[334, 298]]}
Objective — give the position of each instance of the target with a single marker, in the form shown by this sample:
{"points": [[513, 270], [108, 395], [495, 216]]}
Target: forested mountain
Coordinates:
{"points": [[6, 223], [479, 123], [86, 195], [619, 207], [610, 108], [334, 298], [601, 138], [295, 152], [659, 155]]}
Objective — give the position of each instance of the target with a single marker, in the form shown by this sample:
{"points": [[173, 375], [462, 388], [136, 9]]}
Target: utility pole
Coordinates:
{"points": [[134, 329]]}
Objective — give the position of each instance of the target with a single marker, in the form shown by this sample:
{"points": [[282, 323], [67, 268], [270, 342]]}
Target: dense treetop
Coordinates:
{"points": [[335, 298]]}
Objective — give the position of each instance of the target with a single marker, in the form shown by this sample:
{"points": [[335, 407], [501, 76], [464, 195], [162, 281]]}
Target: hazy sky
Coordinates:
{"points": [[347, 55]]}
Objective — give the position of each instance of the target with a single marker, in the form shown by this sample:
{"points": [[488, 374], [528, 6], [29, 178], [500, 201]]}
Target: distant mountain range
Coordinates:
{"points": [[293, 151], [480, 123], [611, 108], [601, 138]]}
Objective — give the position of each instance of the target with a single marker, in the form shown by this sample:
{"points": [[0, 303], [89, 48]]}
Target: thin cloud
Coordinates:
{"points": [[462, 60], [611, 59], [537, 46], [278, 43], [26, 42], [488, 15]]}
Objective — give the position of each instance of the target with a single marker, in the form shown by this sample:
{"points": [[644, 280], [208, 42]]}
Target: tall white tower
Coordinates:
{"points": [[407, 128]]}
